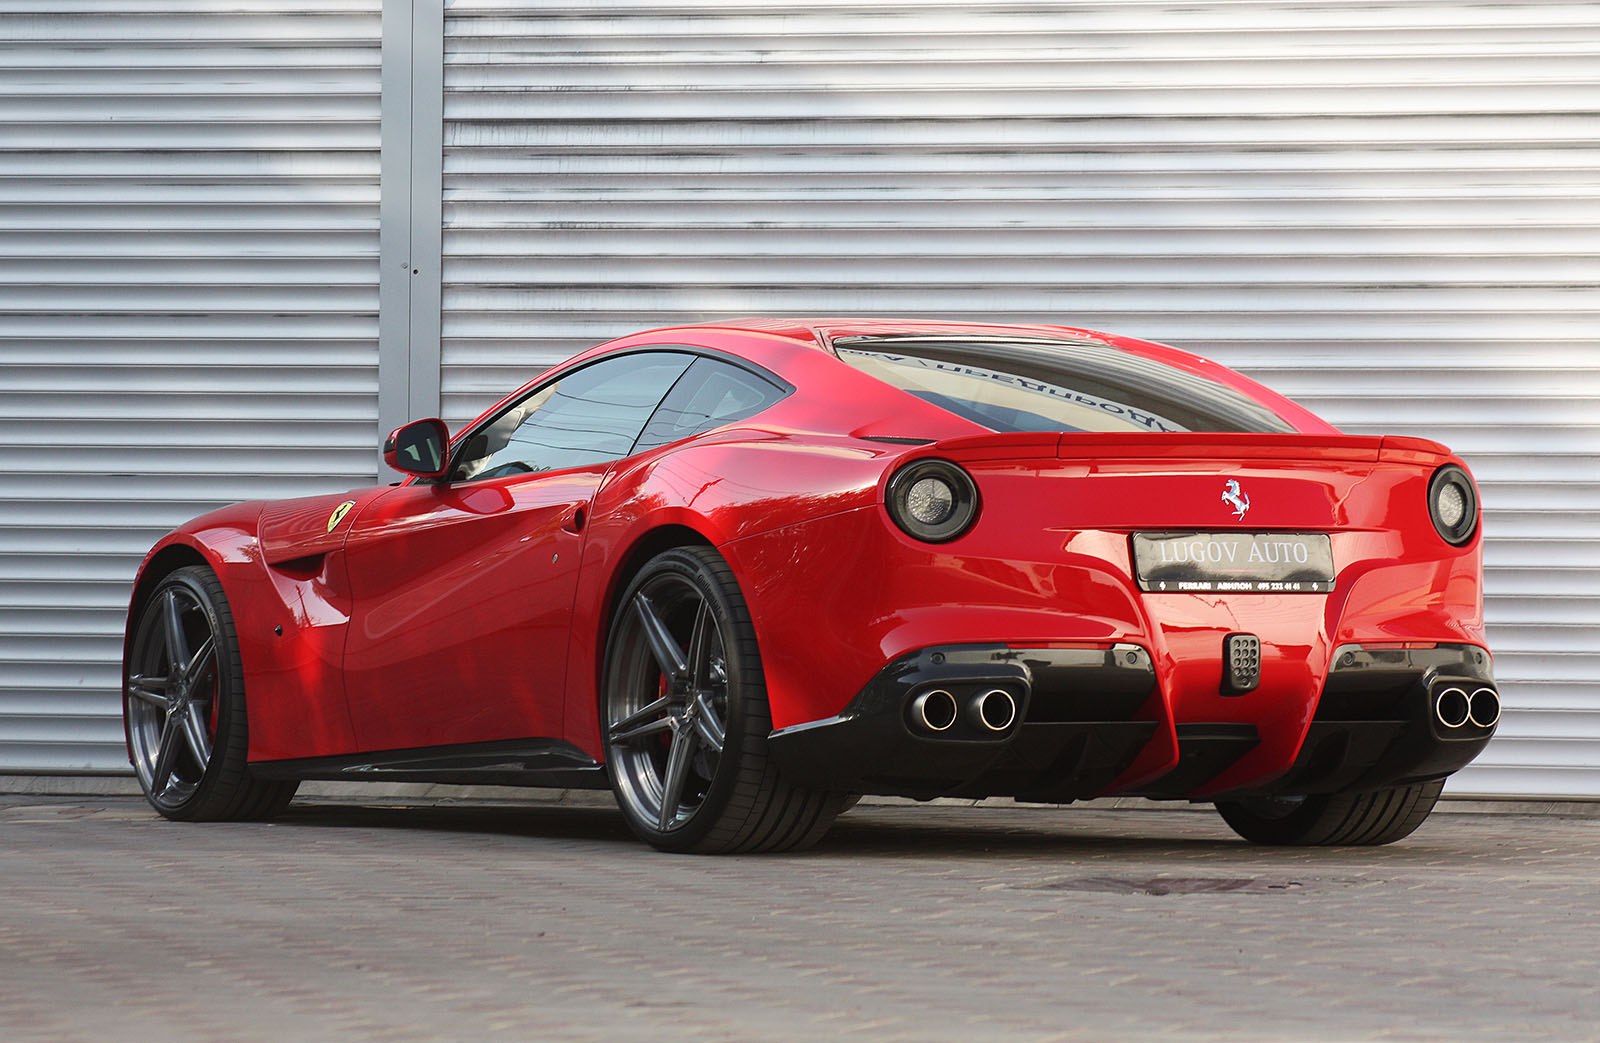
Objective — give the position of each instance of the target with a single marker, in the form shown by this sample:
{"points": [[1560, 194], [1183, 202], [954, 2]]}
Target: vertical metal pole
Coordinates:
{"points": [[410, 236]]}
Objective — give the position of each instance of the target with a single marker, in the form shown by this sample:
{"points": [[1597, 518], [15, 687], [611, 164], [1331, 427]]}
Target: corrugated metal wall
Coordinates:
{"points": [[188, 309], [1387, 210]]}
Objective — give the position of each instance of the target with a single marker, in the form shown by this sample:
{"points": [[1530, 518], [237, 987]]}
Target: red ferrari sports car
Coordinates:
{"points": [[741, 573]]}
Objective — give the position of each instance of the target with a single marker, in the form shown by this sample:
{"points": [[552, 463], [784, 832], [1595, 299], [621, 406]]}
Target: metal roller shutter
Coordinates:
{"points": [[188, 310], [1387, 210]]}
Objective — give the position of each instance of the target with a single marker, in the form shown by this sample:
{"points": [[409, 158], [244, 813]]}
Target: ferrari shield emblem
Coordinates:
{"points": [[338, 514]]}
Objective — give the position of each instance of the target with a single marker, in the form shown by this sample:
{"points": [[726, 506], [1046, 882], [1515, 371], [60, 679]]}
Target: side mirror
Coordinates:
{"points": [[418, 448]]}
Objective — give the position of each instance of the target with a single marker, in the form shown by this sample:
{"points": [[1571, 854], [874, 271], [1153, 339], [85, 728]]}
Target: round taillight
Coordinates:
{"points": [[1453, 504], [933, 500]]}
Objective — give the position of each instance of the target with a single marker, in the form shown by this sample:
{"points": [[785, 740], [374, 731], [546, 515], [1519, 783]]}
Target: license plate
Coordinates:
{"points": [[1241, 562]]}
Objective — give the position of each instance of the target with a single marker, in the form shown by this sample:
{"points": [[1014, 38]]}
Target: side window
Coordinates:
{"points": [[711, 393], [588, 416]]}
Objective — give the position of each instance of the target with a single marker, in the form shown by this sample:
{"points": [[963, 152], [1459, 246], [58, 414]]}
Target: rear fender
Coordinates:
{"points": [[708, 494]]}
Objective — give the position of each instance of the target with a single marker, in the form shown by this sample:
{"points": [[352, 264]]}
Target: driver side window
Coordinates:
{"points": [[591, 415]]}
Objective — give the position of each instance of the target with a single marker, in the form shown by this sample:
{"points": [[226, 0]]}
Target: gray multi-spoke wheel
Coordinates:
{"points": [[1347, 819], [685, 707], [184, 705]]}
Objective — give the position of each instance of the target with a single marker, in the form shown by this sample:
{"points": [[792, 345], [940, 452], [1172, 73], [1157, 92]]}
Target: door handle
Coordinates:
{"points": [[573, 518]]}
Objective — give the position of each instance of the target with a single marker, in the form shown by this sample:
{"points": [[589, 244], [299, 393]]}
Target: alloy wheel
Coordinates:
{"points": [[172, 695], [668, 713]]}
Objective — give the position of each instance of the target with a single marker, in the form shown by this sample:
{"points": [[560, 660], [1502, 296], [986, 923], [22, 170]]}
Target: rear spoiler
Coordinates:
{"points": [[1044, 445]]}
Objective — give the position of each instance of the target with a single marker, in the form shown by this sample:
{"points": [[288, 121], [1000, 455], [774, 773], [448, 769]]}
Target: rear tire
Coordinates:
{"points": [[183, 706], [1350, 819], [685, 707]]}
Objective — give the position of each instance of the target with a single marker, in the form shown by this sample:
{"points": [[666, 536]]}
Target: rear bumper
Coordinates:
{"points": [[1085, 715], [1377, 721]]}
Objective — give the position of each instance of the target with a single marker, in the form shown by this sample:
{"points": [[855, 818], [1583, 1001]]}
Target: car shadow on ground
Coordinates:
{"points": [[534, 821], [866, 832]]}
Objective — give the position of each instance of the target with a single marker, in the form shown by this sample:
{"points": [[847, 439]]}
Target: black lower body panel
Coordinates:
{"points": [[518, 762], [1077, 726], [1083, 715], [1377, 723], [1204, 752]]}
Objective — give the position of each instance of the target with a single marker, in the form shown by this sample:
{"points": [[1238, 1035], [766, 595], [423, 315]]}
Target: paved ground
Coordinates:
{"points": [[511, 922]]}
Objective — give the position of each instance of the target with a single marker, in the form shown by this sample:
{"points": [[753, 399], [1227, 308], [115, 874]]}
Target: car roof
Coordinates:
{"points": [[820, 332]]}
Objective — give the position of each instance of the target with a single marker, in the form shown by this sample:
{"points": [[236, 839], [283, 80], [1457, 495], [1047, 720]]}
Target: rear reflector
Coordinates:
{"points": [[1241, 663]]}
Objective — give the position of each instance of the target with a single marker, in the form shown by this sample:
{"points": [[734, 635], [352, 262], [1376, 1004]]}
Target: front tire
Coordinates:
{"points": [[183, 706], [1350, 819], [685, 707]]}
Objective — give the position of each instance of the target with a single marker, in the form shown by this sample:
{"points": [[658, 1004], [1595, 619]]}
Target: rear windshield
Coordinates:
{"points": [[1024, 385]]}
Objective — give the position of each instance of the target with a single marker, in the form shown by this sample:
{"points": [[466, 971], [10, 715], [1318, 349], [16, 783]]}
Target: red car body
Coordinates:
{"points": [[451, 616]]}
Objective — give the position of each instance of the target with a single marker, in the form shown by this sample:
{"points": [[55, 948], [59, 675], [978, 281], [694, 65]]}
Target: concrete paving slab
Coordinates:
{"points": [[507, 920]]}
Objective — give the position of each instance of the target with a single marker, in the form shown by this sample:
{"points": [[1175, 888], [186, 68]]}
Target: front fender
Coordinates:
{"points": [[290, 621]]}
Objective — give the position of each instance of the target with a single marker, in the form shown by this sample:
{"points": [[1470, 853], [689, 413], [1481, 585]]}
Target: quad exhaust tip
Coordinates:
{"points": [[1452, 706], [994, 710], [1483, 707], [934, 710]]}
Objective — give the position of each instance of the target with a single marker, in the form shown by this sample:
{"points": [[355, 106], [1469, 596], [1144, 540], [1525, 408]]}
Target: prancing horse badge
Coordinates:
{"points": [[1232, 495]]}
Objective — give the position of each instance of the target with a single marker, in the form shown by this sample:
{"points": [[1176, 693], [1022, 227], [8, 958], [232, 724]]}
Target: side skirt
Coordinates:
{"points": [[515, 762]]}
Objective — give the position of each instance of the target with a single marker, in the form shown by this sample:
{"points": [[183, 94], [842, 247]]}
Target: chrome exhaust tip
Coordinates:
{"points": [[1483, 707], [1452, 707], [994, 710], [934, 710]]}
